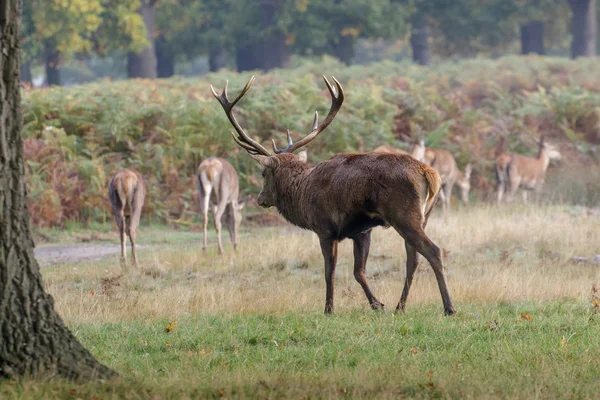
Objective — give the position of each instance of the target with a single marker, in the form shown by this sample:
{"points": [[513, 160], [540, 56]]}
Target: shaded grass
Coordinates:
{"points": [[522, 350], [250, 324]]}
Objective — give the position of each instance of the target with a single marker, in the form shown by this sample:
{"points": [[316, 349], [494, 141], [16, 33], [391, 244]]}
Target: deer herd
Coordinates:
{"points": [[343, 197]]}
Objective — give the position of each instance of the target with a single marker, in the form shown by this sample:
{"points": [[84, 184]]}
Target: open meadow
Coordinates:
{"points": [[251, 324]]}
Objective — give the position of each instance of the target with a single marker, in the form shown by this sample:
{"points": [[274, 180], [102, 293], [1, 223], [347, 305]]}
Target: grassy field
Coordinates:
{"points": [[188, 325]]}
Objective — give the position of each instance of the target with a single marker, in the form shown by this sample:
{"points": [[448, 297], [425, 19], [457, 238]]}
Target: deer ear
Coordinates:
{"points": [[264, 161], [303, 155]]}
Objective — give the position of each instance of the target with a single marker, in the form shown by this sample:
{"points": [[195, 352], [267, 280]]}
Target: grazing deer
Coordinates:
{"points": [[523, 172], [126, 192], [445, 164], [347, 196], [384, 148], [217, 176]]}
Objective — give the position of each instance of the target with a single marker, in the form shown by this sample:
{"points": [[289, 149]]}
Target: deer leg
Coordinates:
{"points": [[230, 224], [442, 199], [134, 222], [120, 216], [204, 203], [524, 196], [514, 186], [447, 193], [218, 215], [412, 260], [362, 243], [329, 250], [416, 237], [500, 193]]}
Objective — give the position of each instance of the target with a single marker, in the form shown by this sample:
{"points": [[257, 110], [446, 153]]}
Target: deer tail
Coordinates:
{"points": [[434, 184]]}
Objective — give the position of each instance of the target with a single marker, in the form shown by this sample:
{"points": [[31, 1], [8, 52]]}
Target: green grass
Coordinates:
{"points": [[525, 350], [250, 324]]}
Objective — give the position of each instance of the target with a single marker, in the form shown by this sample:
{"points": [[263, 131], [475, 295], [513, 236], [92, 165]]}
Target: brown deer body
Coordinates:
{"points": [[218, 181], [348, 195], [444, 163], [126, 193], [528, 173]]}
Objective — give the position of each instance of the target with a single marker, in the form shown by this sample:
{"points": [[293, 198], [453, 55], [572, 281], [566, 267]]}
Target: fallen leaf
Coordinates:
{"points": [[527, 317]]}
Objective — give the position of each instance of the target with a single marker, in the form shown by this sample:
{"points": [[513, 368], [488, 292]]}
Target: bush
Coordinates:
{"points": [[78, 137]]}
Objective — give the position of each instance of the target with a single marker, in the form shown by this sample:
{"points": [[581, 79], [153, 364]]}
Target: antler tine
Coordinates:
{"points": [[289, 138], [243, 140], [336, 103]]}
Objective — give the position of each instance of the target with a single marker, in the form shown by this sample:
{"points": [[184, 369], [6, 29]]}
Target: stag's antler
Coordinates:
{"points": [[336, 104], [245, 141]]}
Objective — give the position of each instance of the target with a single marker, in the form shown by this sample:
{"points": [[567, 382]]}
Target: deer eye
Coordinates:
{"points": [[264, 173]]}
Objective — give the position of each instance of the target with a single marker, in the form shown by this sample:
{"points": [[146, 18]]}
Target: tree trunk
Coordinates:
{"points": [[532, 38], [583, 28], [33, 339], [276, 53], [25, 71], [217, 59], [419, 35], [165, 58], [52, 66], [247, 58], [143, 64], [344, 49]]}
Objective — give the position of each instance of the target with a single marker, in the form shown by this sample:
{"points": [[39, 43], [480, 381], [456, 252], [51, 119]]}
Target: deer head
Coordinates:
{"points": [[271, 162], [418, 149], [551, 150]]}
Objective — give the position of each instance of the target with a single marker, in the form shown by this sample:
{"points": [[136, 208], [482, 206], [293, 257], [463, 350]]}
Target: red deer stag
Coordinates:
{"points": [[444, 163], [217, 176], [126, 192], [346, 196], [528, 173]]}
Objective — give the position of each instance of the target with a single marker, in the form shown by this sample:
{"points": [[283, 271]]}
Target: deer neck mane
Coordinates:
{"points": [[290, 186]]}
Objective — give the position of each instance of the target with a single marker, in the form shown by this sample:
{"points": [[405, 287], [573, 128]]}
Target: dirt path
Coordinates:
{"points": [[74, 253]]}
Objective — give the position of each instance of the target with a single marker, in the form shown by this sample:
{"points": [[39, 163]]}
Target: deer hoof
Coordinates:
{"points": [[449, 311], [377, 306]]}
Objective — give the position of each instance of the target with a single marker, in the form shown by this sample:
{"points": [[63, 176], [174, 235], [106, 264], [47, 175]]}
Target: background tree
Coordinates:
{"points": [[34, 340], [181, 28], [584, 29], [142, 63], [62, 28]]}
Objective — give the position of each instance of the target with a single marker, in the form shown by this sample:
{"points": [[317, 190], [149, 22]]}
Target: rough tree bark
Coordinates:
{"points": [[583, 28], [34, 341], [217, 59], [532, 38], [419, 35], [52, 65], [165, 58], [143, 64]]}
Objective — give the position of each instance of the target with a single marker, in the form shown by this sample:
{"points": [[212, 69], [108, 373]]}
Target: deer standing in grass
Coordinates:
{"points": [[347, 196], [445, 164], [217, 177], [126, 193], [528, 173]]}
